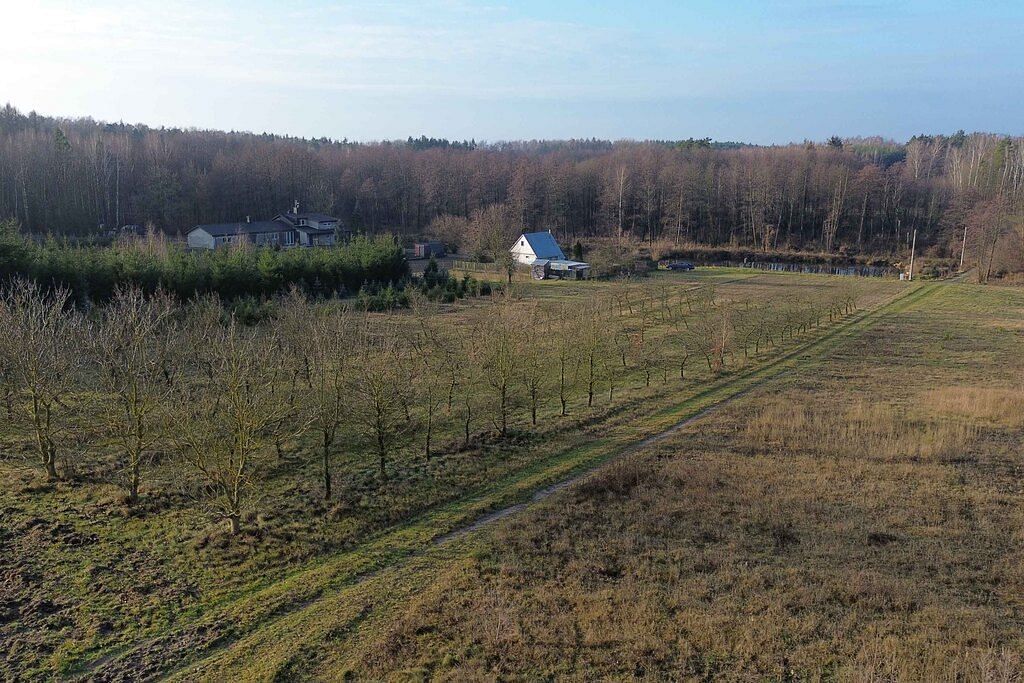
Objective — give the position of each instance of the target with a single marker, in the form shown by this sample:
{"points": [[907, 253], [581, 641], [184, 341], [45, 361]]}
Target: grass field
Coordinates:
{"points": [[858, 517], [843, 505]]}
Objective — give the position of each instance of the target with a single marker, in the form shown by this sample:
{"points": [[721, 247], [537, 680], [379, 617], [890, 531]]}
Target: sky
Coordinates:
{"points": [[762, 72]]}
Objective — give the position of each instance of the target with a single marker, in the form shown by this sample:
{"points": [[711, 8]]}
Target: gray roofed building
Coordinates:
{"points": [[285, 230]]}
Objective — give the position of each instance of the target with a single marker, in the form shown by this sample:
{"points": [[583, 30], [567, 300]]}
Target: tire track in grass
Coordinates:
{"points": [[233, 623]]}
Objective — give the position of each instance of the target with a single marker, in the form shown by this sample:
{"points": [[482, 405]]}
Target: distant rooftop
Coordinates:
{"points": [[309, 216], [251, 228], [543, 245]]}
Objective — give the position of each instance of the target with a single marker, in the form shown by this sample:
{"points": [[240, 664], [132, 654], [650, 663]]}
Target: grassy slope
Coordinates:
{"points": [[290, 642], [857, 518]]}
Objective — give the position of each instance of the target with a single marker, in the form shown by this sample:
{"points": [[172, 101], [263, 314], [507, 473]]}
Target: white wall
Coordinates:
{"points": [[523, 252], [200, 239]]}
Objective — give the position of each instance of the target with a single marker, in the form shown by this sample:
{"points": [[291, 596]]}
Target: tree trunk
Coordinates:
{"points": [[430, 431], [504, 412], [327, 465], [590, 384], [133, 483], [51, 465], [561, 389]]}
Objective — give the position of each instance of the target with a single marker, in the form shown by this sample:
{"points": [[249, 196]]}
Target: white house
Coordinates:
{"points": [[541, 252], [536, 245]]}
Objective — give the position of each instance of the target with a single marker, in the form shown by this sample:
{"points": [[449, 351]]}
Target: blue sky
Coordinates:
{"points": [[765, 72]]}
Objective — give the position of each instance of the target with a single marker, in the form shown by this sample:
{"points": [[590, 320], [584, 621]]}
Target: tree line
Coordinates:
{"points": [[146, 379], [861, 195], [92, 273]]}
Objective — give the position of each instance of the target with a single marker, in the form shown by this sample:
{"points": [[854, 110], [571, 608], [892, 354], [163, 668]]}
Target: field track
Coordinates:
{"points": [[330, 598]]}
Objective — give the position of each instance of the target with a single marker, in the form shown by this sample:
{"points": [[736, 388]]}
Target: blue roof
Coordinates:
{"points": [[543, 245]]}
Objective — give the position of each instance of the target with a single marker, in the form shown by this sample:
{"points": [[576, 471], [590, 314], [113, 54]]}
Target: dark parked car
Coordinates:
{"points": [[680, 265]]}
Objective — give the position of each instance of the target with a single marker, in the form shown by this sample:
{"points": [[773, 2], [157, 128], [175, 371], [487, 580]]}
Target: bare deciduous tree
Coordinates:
{"points": [[328, 344], [231, 409], [132, 346], [500, 341], [378, 386], [436, 375], [40, 343], [567, 357], [533, 359]]}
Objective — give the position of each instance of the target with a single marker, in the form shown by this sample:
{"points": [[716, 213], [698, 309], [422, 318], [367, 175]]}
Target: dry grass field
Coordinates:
{"points": [[847, 507], [858, 518]]}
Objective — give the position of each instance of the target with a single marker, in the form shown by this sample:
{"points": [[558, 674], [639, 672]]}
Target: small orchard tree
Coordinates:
{"points": [[41, 340], [378, 390], [533, 360], [132, 348], [328, 341], [500, 343], [590, 342], [709, 332], [293, 325], [231, 410], [435, 380], [648, 355], [469, 384], [566, 357]]}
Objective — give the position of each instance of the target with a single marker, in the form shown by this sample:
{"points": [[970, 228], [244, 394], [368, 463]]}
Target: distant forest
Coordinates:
{"points": [[864, 195]]}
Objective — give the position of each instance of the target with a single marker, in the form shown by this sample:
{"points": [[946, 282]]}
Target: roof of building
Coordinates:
{"points": [[309, 216], [543, 245], [309, 229], [251, 228], [565, 264]]}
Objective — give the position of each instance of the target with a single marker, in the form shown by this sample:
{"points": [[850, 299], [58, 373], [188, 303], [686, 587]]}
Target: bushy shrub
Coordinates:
{"points": [[377, 299], [250, 310]]}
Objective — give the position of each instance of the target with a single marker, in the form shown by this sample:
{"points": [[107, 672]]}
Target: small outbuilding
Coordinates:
{"points": [[559, 269], [428, 249]]}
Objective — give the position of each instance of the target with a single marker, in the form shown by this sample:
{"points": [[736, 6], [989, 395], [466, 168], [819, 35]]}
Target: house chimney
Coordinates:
{"points": [[295, 207], [248, 219]]}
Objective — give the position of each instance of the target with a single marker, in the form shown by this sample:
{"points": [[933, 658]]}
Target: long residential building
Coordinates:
{"points": [[291, 229]]}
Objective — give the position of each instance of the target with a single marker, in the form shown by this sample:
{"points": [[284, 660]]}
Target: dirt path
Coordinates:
{"points": [[199, 647], [541, 494]]}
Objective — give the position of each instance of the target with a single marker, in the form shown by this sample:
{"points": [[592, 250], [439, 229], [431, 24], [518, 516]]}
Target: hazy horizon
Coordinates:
{"points": [[758, 73]]}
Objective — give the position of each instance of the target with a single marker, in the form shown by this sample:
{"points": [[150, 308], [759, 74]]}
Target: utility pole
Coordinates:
{"points": [[913, 247], [963, 249]]}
